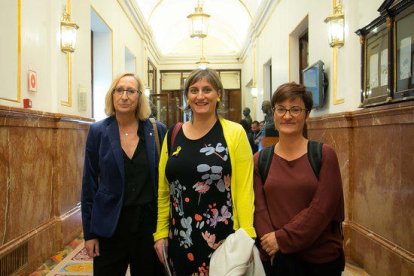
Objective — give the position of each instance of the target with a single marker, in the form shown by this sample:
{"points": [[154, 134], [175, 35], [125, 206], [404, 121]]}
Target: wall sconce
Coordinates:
{"points": [[68, 31], [147, 91], [253, 92], [336, 23], [199, 22]]}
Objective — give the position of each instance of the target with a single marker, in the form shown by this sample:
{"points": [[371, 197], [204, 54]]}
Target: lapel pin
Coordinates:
{"points": [[177, 151]]}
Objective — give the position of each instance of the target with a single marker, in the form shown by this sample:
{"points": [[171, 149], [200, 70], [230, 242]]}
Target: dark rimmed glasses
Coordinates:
{"points": [[294, 110]]}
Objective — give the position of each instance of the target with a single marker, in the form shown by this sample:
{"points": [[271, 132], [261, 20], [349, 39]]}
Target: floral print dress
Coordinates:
{"points": [[201, 207]]}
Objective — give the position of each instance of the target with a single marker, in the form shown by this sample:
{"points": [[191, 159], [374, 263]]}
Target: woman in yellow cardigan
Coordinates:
{"points": [[205, 190]]}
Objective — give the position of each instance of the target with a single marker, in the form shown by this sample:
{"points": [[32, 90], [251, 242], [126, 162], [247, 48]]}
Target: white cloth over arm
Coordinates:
{"points": [[233, 257]]}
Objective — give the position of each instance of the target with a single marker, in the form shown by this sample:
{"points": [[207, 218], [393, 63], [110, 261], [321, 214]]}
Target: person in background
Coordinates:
{"points": [[246, 114], [206, 181], [254, 136], [249, 134], [298, 215], [119, 187], [261, 124]]}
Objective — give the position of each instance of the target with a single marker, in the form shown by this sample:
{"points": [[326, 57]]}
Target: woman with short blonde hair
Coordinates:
{"points": [[120, 183], [144, 109]]}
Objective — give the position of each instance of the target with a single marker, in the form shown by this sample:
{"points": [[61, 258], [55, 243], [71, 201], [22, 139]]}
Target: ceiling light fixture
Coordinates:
{"points": [[198, 22], [202, 63]]}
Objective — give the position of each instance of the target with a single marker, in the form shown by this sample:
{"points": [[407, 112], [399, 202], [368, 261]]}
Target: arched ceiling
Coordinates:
{"points": [[229, 25]]}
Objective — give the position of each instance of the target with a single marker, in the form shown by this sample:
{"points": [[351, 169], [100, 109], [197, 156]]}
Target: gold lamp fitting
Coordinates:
{"points": [[336, 25], [68, 30], [199, 22]]}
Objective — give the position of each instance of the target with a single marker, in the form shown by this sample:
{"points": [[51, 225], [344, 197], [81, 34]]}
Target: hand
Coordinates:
{"points": [[159, 247], [269, 243], [92, 247]]}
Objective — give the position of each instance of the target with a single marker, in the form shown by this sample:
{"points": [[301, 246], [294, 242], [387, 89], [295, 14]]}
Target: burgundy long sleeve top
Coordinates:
{"points": [[304, 212]]}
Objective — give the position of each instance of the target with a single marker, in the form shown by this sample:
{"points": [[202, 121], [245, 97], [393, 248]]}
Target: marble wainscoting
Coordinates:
{"points": [[375, 148], [41, 163]]}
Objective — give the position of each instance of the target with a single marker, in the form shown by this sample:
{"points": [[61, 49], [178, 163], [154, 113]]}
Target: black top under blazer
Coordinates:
{"points": [[104, 175]]}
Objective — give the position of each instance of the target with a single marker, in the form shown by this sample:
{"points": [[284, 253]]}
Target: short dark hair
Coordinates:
{"points": [[292, 90]]}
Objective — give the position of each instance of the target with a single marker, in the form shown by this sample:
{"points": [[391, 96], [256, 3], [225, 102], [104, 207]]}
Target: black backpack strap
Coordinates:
{"points": [[315, 156], [172, 133], [265, 160]]}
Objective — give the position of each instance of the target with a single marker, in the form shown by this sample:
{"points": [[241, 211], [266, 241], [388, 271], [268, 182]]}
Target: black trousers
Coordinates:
{"points": [[132, 243], [291, 265]]}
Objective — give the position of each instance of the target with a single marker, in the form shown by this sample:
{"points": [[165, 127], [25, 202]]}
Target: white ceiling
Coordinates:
{"points": [[229, 26]]}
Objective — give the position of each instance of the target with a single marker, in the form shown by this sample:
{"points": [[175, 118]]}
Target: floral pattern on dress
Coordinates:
{"points": [[176, 191], [201, 203], [217, 150]]}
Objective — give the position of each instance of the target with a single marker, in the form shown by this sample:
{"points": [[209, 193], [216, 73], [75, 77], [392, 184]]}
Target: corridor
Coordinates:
{"points": [[59, 57]]}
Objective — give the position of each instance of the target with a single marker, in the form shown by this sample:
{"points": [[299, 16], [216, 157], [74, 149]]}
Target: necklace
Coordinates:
{"points": [[126, 133], [129, 129]]}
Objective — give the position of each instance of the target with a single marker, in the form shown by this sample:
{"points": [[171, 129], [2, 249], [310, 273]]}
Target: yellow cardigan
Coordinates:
{"points": [[241, 182]]}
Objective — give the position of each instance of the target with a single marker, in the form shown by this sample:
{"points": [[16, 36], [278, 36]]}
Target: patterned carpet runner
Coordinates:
{"points": [[73, 260]]}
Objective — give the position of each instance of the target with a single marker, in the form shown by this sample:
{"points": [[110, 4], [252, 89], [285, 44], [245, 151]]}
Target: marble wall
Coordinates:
{"points": [[375, 148], [41, 161]]}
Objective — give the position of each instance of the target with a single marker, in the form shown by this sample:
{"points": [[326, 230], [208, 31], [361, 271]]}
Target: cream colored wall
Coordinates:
{"points": [[40, 52], [9, 44], [81, 61], [124, 35], [37, 40], [272, 42], [247, 78]]}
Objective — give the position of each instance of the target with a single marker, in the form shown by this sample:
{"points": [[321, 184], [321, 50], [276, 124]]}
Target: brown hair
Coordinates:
{"points": [[143, 110], [210, 75], [292, 90]]}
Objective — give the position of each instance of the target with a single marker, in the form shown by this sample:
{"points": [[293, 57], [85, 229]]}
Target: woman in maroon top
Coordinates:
{"points": [[298, 216]]}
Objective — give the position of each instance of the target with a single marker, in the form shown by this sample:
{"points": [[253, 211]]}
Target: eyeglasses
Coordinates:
{"points": [[294, 110], [130, 91]]}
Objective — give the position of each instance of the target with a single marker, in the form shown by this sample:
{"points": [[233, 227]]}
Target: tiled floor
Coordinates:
{"points": [[73, 260]]}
